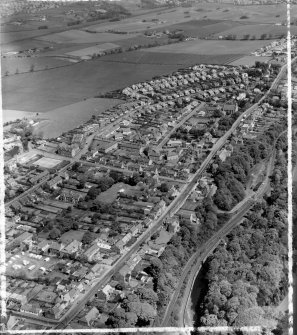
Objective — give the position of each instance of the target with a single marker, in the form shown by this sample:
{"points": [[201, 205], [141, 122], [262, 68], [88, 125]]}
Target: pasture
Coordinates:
{"points": [[81, 36], [210, 47]]}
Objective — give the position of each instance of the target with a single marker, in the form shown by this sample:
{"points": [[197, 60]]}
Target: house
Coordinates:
{"points": [[188, 216], [91, 316], [52, 183], [108, 291], [31, 309], [71, 248], [68, 150], [136, 229], [55, 248], [71, 195], [105, 145], [91, 252], [172, 156], [230, 109], [174, 143], [43, 246], [58, 309]]}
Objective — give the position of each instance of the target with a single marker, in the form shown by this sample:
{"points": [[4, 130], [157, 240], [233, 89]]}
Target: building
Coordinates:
{"points": [[105, 145], [31, 309]]}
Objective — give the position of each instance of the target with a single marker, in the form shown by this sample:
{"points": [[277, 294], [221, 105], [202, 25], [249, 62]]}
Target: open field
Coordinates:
{"points": [[71, 116], [47, 163], [111, 194], [46, 90], [249, 60], [179, 59], [25, 64], [256, 30], [72, 235], [80, 36], [210, 47], [204, 28], [93, 50]]}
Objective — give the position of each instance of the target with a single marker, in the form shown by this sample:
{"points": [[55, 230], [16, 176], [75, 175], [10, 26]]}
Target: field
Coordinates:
{"points": [[249, 60], [13, 65], [210, 47], [80, 36], [68, 117], [93, 50], [72, 235], [47, 90], [178, 59], [47, 163], [110, 195], [256, 30], [204, 28], [11, 115]]}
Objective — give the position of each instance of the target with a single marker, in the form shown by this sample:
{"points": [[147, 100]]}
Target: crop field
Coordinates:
{"points": [[80, 36], [249, 60], [93, 50], [47, 90], [256, 30], [210, 47], [178, 59]]}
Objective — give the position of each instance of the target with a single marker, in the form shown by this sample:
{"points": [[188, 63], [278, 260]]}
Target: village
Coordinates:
{"points": [[77, 204]]}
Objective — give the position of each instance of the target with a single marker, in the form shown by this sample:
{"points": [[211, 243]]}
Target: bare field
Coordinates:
{"points": [[209, 47], [80, 36], [45, 90]]}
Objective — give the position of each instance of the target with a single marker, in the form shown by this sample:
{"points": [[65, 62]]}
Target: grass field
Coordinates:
{"points": [[71, 116], [72, 235], [47, 163], [178, 59], [256, 30], [111, 194], [25, 64], [249, 60], [80, 36], [204, 28], [211, 47], [93, 50], [46, 90]]}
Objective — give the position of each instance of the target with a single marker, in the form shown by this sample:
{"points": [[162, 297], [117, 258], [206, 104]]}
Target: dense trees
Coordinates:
{"points": [[248, 273]]}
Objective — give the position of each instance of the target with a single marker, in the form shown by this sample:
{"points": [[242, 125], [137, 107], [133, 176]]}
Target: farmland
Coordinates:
{"points": [[46, 90], [80, 36], [162, 58], [255, 31], [210, 47], [248, 60]]}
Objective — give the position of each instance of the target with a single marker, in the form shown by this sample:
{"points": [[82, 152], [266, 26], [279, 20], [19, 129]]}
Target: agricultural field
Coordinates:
{"points": [[47, 90], [15, 65], [255, 31], [60, 120], [210, 47], [93, 50], [80, 36], [249, 60], [204, 28], [178, 59]]}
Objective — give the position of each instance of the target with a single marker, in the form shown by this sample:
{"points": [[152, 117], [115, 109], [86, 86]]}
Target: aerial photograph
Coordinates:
{"points": [[145, 152]]}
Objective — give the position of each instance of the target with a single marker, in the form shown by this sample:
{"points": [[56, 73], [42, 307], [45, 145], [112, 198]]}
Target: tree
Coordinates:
{"points": [[32, 68], [164, 188], [147, 294], [54, 234], [88, 238]]}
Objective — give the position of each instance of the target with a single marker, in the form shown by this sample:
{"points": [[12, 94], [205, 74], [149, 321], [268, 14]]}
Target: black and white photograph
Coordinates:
{"points": [[148, 167]]}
